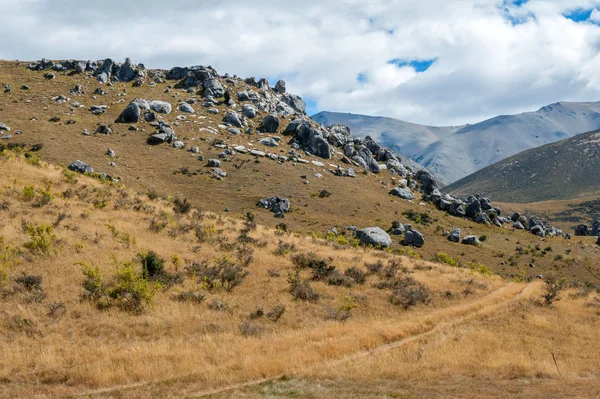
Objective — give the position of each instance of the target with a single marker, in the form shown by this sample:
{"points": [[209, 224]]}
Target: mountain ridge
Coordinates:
{"points": [[475, 146]]}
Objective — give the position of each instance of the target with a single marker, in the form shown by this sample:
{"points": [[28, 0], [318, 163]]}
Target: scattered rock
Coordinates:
{"points": [[80, 167], [374, 236], [470, 240], [454, 235], [278, 205], [161, 107], [414, 238]]}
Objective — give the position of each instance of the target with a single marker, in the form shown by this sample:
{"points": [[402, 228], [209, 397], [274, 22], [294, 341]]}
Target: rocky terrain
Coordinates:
{"points": [[187, 233], [237, 145], [470, 148], [557, 171]]}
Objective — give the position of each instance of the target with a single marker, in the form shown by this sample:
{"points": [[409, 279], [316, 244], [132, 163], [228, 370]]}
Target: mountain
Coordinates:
{"points": [[561, 170], [405, 137], [459, 153]]}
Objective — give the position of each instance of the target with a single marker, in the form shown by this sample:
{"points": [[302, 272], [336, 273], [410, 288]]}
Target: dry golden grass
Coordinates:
{"points": [[476, 327], [362, 202]]}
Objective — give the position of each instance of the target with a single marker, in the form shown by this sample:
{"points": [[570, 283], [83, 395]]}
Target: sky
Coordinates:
{"points": [[434, 62]]}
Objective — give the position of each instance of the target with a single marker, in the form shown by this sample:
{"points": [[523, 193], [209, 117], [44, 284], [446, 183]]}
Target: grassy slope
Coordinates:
{"points": [[362, 201], [557, 171], [479, 331]]}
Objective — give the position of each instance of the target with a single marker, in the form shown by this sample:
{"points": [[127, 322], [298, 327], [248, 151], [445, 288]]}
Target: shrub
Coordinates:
{"points": [[442, 257], [245, 255], [321, 267], [301, 289], [336, 278], [408, 292], [131, 291], [223, 274], [374, 268], [93, 284], [248, 329], [284, 248], [479, 268], [152, 265], [30, 282], [275, 314], [483, 238], [181, 207], [257, 314], [423, 218], [356, 274], [41, 239], [188, 296], [218, 305], [7, 255], [342, 313], [553, 289], [324, 194], [29, 192]]}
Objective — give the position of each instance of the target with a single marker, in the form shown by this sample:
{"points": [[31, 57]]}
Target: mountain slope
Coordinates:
{"points": [[453, 153], [562, 170], [490, 141], [405, 137]]}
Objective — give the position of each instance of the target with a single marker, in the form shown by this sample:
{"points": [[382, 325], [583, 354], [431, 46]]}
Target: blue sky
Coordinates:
{"points": [[435, 62]]}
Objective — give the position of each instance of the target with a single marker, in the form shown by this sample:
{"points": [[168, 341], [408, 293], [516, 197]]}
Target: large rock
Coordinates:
{"points": [[470, 240], [339, 135], [374, 236], [80, 167], [414, 238], [595, 228], [280, 87], [213, 88], [582, 230], [162, 107], [403, 193], [270, 124], [367, 157], [131, 114], [429, 182], [126, 71], [473, 209], [233, 118], [454, 236], [310, 138], [187, 108], [295, 102], [277, 205]]}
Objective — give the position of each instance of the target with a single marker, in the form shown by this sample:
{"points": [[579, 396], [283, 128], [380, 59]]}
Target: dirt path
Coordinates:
{"points": [[493, 303]]}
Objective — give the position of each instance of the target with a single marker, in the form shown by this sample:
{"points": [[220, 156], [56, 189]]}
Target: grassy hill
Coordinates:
{"points": [[87, 313], [557, 171], [148, 288]]}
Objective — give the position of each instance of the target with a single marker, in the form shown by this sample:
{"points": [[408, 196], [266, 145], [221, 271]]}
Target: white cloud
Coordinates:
{"points": [[485, 64]]}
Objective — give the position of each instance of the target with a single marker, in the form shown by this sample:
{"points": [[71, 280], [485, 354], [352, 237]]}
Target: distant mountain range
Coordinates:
{"points": [[561, 170], [453, 153]]}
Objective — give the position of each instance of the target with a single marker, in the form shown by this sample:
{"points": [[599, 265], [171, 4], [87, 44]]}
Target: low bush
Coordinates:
{"points": [[275, 314], [408, 292], [553, 289], [301, 289]]}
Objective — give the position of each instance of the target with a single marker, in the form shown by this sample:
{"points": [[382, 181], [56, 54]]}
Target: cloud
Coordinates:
{"points": [[426, 61]]}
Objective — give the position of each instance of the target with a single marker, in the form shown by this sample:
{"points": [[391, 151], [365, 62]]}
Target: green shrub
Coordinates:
{"points": [[152, 265], [221, 275], [41, 239], [480, 268], [181, 207], [442, 257], [553, 289], [483, 238], [130, 290]]}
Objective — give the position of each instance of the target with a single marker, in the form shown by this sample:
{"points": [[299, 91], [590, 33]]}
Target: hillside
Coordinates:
{"points": [[563, 170], [321, 195], [473, 147], [405, 137], [228, 308]]}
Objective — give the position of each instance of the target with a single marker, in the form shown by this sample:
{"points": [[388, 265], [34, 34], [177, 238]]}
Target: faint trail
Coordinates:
{"points": [[389, 346], [487, 304]]}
